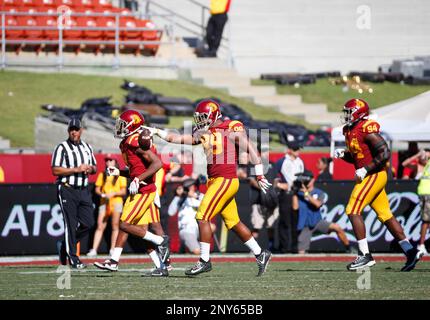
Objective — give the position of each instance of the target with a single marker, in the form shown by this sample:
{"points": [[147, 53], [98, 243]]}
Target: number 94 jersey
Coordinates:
{"points": [[355, 141], [220, 149]]}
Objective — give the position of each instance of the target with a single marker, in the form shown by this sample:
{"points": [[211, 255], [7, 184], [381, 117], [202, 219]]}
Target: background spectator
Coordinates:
{"points": [[424, 194], [111, 190], [185, 204], [287, 226], [414, 165], [215, 26], [310, 200], [323, 166], [265, 211]]}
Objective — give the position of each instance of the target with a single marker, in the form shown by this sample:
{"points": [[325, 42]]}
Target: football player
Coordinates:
{"points": [[221, 140], [139, 209], [367, 150]]}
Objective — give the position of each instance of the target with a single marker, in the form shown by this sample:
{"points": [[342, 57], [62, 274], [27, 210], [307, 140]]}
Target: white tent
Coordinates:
{"points": [[407, 120]]}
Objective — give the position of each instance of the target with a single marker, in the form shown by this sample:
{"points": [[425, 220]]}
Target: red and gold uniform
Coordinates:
{"points": [[370, 191], [137, 207], [223, 184]]}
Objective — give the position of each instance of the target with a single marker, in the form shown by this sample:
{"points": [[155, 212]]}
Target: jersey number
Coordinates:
{"points": [[371, 128], [355, 148], [214, 142]]}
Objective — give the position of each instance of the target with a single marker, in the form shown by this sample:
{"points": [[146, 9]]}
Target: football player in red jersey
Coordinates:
{"points": [[139, 207], [369, 152], [221, 140]]}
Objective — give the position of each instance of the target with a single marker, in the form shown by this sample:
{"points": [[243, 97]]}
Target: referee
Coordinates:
{"points": [[72, 161]]}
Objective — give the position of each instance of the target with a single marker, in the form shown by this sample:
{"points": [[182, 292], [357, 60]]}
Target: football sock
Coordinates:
{"points": [[116, 254], [204, 251], [362, 246], [253, 246], [155, 258], [153, 238], [406, 245]]}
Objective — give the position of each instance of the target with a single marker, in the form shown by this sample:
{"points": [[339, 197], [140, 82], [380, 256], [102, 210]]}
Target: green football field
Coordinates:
{"points": [[235, 280]]}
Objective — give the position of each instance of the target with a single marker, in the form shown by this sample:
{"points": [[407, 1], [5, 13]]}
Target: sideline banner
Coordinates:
{"points": [[31, 220]]}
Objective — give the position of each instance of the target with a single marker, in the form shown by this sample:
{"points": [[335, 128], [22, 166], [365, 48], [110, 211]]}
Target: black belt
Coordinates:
{"points": [[74, 187]]}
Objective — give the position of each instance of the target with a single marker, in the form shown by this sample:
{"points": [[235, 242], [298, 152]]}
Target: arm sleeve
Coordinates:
{"points": [[58, 156], [173, 207], [99, 181]]}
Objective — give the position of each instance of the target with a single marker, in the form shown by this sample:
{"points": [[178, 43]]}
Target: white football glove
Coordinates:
{"points": [[112, 171], [360, 174], [261, 179], [263, 183], [155, 131], [134, 186], [339, 153]]}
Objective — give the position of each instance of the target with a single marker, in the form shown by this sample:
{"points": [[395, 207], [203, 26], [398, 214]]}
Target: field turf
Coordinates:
{"points": [[228, 280]]}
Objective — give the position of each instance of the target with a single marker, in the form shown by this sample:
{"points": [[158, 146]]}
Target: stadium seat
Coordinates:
{"points": [[128, 22], [82, 3], [29, 21], [68, 3], [12, 3], [44, 3], [102, 4], [28, 3], [48, 21], [107, 22], [91, 35], [149, 35]]}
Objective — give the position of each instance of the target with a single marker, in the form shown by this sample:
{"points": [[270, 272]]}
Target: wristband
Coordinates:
{"points": [[259, 169]]}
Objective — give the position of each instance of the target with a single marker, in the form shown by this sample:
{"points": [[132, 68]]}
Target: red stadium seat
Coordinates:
{"points": [[102, 4], [12, 3], [45, 3], [107, 22], [149, 35], [48, 21], [72, 34], [89, 22], [28, 3], [59, 3], [127, 22], [12, 21], [29, 21], [83, 3]]}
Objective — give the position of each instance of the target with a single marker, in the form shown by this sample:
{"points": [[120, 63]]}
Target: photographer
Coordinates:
{"points": [[185, 204], [287, 228], [264, 205], [309, 200]]}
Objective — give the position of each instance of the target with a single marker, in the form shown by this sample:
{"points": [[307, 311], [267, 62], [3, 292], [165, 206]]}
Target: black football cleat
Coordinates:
{"points": [[159, 272], [109, 265], [62, 254], [263, 261], [163, 249], [361, 261], [412, 258], [200, 267], [78, 264]]}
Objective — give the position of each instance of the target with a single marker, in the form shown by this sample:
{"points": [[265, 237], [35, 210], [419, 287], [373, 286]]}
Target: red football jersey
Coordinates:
{"points": [[354, 139], [136, 164], [221, 152]]}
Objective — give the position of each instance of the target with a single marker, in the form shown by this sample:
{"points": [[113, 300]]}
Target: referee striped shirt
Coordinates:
{"points": [[70, 155]]}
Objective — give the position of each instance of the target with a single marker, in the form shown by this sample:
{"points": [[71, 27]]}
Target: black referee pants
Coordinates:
{"points": [[287, 227], [214, 31], [78, 215]]}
